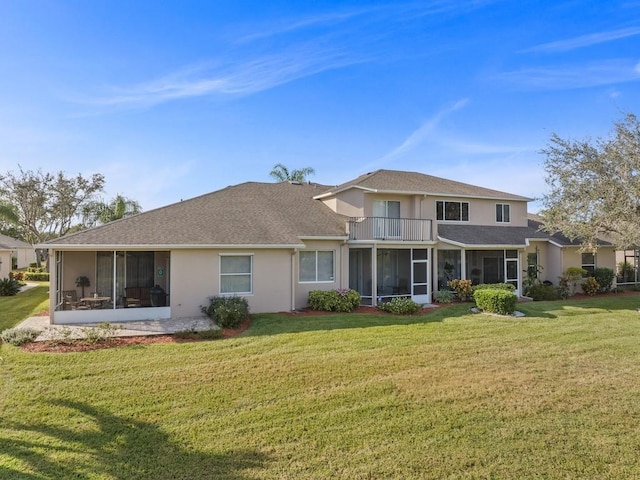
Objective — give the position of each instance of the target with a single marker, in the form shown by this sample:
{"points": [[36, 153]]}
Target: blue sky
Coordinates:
{"points": [[170, 100]]}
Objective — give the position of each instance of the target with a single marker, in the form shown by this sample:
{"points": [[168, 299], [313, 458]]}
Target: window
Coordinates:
{"points": [[386, 208], [316, 266], [589, 263], [236, 272], [452, 211], [502, 213]]}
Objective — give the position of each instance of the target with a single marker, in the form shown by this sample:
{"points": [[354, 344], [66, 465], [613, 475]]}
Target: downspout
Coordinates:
{"points": [[293, 277], [53, 285]]}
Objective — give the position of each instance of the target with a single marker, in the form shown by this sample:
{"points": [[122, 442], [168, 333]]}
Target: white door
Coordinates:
{"points": [[420, 275]]}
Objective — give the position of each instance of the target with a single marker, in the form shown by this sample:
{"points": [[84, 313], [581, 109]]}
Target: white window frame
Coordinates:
{"points": [[504, 208], [592, 265], [443, 210], [220, 274], [333, 266]]}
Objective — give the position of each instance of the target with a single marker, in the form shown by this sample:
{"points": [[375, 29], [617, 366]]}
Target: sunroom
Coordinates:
{"points": [[110, 285]]}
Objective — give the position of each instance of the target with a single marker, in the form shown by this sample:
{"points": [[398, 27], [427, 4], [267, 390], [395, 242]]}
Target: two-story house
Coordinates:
{"points": [[385, 234]]}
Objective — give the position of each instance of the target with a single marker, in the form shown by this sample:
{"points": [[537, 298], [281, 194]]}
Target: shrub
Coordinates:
{"points": [[462, 288], [18, 275], [496, 286], [227, 312], [400, 306], [590, 286], [604, 277], [343, 300], [19, 336], [444, 296], [101, 332], [9, 287], [36, 276], [564, 286], [541, 292], [495, 300]]}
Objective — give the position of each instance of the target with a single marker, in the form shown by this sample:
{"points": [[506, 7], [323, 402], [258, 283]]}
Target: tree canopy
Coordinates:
{"points": [[98, 212], [594, 186], [282, 174], [47, 204]]}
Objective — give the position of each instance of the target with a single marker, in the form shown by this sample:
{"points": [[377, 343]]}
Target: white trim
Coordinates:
{"points": [[220, 274], [168, 247], [323, 237]]}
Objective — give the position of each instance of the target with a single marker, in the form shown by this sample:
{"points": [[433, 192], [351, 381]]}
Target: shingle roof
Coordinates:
{"points": [[246, 214], [9, 243], [476, 235], [420, 183]]}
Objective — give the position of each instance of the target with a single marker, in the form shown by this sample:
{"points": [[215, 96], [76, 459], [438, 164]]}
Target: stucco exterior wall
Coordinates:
{"points": [[349, 203], [481, 211], [5, 266], [75, 265], [341, 267], [25, 256], [195, 275]]}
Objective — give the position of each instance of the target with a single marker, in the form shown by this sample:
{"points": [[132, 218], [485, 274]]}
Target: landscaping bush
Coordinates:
{"points": [[590, 286], [400, 306], [462, 288], [227, 312], [542, 292], [18, 275], [495, 300], [343, 300], [444, 296], [19, 336], [604, 277], [498, 286], [36, 276], [9, 287]]}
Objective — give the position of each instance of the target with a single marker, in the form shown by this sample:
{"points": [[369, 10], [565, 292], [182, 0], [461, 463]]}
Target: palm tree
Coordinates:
{"points": [[282, 174], [119, 207]]}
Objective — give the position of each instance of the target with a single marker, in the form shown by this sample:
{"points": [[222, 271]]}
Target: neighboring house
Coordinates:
{"points": [[14, 252], [385, 234]]}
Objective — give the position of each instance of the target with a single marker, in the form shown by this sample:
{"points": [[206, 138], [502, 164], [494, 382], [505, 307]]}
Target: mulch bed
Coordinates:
{"points": [[83, 346]]}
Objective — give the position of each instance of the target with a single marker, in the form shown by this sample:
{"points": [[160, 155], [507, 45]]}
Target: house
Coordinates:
{"points": [[385, 234], [14, 253]]}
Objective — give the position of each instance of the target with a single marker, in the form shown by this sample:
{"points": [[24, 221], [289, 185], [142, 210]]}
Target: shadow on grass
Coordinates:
{"points": [[111, 446], [278, 323], [581, 305]]}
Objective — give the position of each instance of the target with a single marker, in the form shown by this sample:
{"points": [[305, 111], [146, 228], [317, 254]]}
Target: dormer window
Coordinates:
{"points": [[503, 214], [452, 211]]}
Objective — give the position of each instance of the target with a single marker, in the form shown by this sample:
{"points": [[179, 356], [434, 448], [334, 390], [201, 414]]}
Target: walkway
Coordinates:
{"points": [[120, 329]]}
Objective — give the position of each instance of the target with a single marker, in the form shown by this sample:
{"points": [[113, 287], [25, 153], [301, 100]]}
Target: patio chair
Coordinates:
{"points": [[70, 301]]}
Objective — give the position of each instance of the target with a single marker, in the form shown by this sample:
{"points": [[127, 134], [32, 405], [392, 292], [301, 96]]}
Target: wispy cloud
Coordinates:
{"points": [[606, 72], [231, 79], [418, 136], [583, 41], [260, 61]]}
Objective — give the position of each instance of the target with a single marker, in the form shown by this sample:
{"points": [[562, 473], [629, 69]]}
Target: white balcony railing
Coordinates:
{"points": [[383, 228]]}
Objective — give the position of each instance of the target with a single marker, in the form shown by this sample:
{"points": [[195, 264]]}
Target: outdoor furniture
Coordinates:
{"points": [[137, 297], [70, 301], [95, 302]]}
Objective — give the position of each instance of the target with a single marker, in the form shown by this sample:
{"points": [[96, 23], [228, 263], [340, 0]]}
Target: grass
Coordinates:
{"points": [[16, 308], [449, 395]]}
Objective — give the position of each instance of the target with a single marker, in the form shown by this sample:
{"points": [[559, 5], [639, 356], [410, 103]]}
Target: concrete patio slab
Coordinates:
{"points": [[120, 329]]}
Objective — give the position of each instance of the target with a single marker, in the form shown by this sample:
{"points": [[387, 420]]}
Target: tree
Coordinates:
{"points": [[282, 174], [47, 204], [594, 187], [99, 212]]}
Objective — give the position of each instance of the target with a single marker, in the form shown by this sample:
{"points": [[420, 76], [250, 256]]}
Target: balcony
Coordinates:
{"points": [[393, 229]]}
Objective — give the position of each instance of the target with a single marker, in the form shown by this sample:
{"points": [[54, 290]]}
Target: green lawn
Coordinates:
{"points": [[448, 395], [16, 308]]}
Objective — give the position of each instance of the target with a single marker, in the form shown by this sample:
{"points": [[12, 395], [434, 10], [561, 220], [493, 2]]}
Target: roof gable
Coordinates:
{"points": [[395, 181]]}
